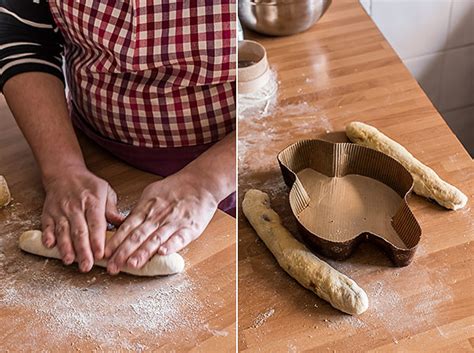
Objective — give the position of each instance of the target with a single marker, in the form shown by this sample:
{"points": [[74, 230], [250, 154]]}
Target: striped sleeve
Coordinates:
{"points": [[29, 39]]}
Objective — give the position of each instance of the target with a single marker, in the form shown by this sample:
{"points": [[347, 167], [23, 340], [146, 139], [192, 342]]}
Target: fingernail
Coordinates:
{"points": [[85, 266], [133, 262], [112, 269]]}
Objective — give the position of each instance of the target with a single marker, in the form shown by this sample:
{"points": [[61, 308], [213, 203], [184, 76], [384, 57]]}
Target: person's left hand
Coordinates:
{"points": [[169, 215]]}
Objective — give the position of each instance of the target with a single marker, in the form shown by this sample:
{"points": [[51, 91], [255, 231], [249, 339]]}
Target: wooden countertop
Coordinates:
{"points": [[49, 307], [339, 71]]}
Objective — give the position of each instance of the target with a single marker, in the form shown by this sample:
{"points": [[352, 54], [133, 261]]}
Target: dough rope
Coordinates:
{"points": [[425, 181], [5, 196], [30, 241], [299, 262]]}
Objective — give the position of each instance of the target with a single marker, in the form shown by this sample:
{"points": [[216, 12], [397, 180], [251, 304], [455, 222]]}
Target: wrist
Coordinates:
{"points": [[203, 185], [55, 171], [214, 170]]}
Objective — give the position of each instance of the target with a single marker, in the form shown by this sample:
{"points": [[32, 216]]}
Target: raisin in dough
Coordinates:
{"points": [[30, 241], [425, 181], [299, 262], [5, 196]]}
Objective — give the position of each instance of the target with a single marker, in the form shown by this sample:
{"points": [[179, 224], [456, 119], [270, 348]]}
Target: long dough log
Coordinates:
{"points": [[312, 273], [5, 196], [426, 182], [30, 241]]}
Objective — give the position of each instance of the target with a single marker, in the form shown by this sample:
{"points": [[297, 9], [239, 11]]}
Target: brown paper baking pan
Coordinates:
{"points": [[342, 194]]}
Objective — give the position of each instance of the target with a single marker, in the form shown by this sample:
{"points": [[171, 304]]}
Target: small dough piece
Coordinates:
{"points": [[425, 181], [30, 241], [5, 196], [299, 262]]}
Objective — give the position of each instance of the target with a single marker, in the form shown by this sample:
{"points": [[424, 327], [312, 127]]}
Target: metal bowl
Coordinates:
{"points": [[281, 17]]}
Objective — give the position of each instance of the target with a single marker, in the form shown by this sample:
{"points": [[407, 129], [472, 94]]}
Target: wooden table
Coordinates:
{"points": [[339, 71], [49, 307]]}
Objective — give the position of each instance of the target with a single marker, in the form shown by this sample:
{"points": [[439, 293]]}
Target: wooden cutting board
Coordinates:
{"points": [[339, 71], [45, 306]]}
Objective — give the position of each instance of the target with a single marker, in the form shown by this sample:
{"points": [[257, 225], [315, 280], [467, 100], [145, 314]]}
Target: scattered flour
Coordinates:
{"points": [[389, 310], [120, 313], [215, 332], [89, 310], [260, 102], [263, 317], [125, 212], [341, 323], [292, 348], [264, 103]]}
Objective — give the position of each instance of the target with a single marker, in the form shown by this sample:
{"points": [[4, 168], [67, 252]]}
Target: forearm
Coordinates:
{"points": [[38, 103], [215, 168]]}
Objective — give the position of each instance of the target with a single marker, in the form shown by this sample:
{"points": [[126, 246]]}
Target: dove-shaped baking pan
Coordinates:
{"points": [[342, 194]]}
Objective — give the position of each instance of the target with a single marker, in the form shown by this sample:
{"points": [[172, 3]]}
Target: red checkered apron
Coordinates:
{"points": [[153, 83], [151, 74]]}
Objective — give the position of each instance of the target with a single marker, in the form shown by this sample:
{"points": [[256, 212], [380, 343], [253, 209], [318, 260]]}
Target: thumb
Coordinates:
{"points": [[111, 212]]}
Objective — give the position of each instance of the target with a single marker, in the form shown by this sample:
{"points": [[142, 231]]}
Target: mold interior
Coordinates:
{"points": [[344, 207]]}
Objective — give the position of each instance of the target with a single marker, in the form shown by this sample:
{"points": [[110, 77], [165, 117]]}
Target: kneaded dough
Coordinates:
{"points": [[425, 181], [5, 196], [298, 261], [30, 241]]}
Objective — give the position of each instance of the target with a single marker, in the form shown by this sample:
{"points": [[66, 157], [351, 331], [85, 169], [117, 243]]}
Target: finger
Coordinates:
{"points": [[111, 212], [97, 226], [146, 251], [132, 222], [47, 226], [177, 241], [80, 240], [63, 239], [134, 240]]}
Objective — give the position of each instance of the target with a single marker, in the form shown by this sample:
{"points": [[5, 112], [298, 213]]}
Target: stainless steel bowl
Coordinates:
{"points": [[281, 17]]}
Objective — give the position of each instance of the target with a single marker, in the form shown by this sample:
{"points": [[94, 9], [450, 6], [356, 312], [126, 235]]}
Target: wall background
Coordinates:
{"points": [[435, 40]]}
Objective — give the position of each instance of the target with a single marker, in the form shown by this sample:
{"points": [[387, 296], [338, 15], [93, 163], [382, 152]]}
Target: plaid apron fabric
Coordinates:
{"points": [[151, 74]]}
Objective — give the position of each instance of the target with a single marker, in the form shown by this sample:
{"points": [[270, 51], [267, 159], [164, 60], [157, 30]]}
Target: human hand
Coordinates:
{"points": [[169, 215], [75, 213]]}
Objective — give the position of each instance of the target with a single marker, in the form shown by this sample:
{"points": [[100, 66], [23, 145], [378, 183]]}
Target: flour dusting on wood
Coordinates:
{"points": [[263, 317], [113, 313]]}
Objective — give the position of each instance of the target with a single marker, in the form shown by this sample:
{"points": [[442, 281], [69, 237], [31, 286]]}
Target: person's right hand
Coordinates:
{"points": [[75, 213]]}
